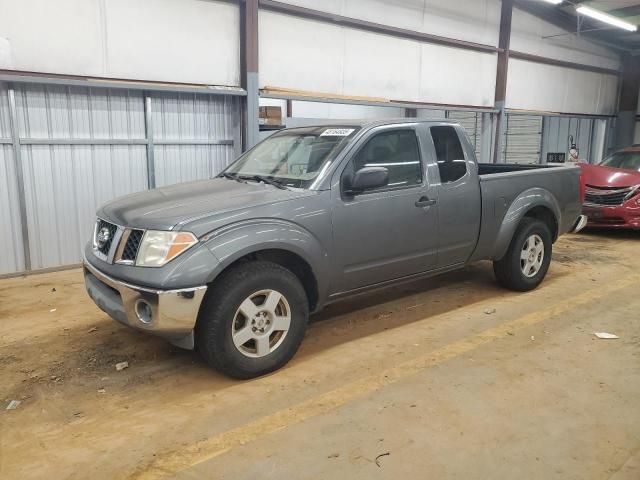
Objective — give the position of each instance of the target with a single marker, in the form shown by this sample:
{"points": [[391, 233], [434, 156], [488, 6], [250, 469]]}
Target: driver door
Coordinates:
{"points": [[389, 232]]}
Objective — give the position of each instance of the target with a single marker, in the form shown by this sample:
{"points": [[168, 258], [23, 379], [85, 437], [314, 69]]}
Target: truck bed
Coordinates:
{"points": [[514, 186]]}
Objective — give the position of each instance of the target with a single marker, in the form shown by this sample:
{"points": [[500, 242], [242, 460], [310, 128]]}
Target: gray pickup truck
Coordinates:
{"points": [[234, 265]]}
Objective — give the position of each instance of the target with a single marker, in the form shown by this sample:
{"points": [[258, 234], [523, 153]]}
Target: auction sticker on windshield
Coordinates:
{"points": [[337, 132]]}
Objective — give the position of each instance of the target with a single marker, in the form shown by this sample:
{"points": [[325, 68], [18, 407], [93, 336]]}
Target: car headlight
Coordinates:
{"points": [[158, 248]]}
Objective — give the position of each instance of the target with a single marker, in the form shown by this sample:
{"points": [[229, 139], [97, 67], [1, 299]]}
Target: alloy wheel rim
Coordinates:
{"points": [[261, 323], [532, 255]]}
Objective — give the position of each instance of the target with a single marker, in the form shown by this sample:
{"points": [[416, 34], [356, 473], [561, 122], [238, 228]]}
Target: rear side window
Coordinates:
{"points": [[449, 154], [396, 150]]}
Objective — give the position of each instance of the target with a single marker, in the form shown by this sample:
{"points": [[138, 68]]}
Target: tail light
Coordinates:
{"points": [[583, 187]]}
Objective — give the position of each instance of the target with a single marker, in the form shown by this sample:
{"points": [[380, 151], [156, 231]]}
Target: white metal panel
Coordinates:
{"points": [[345, 61], [189, 41], [530, 34], [538, 87], [428, 113], [313, 61], [320, 110], [472, 123], [184, 163], [12, 257], [372, 64], [6, 55], [522, 139], [60, 112], [65, 184], [5, 125], [454, 76], [63, 36], [198, 118], [471, 20], [557, 131], [174, 40]]}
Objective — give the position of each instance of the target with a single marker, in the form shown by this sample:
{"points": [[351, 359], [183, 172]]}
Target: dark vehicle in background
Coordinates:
{"points": [[612, 190]]}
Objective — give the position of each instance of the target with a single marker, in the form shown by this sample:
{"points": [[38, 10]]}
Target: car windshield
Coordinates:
{"points": [[293, 158], [625, 160]]}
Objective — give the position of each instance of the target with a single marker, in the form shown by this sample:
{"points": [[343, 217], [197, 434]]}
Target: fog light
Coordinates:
{"points": [[144, 312]]}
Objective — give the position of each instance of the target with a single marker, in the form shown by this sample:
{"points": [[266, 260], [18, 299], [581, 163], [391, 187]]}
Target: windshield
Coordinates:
{"points": [[626, 160], [293, 157]]}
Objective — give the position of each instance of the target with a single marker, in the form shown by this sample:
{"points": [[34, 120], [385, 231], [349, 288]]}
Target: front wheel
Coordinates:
{"points": [[527, 260], [253, 320]]}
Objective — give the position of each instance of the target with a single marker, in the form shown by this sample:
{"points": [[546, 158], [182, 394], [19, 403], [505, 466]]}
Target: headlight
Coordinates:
{"points": [[157, 248]]}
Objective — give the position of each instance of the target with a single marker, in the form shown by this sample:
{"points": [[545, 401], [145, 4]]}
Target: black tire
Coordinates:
{"points": [[222, 300], [508, 269]]}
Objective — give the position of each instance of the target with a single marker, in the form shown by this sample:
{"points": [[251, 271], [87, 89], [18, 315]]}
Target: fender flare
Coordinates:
{"points": [[240, 239], [523, 204]]}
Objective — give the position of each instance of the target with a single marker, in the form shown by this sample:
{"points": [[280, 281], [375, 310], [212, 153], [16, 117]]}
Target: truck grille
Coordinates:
{"points": [[104, 235], [130, 250], [607, 196]]}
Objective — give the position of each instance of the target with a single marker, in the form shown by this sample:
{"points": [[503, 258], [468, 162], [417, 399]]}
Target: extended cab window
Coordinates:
{"points": [[396, 150], [449, 153]]}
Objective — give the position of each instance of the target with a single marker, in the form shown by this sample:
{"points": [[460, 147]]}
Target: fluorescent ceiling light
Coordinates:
{"points": [[555, 2], [606, 18]]}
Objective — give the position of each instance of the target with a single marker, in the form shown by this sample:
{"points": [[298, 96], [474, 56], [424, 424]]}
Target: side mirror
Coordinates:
{"points": [[368, 178]]}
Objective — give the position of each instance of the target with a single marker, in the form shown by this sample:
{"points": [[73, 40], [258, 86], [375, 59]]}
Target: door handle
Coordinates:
{"points": [[425, 202]]}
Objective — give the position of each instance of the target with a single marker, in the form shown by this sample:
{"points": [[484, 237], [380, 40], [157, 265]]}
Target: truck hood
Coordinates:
{"points": [[176, 205], [598, 176]]}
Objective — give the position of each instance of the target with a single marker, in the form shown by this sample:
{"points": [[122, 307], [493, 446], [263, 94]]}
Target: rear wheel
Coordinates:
{"points": [[253, 320], [527, 260]]}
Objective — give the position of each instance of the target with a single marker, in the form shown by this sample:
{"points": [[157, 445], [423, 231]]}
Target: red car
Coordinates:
{"points": [[612, 190]]}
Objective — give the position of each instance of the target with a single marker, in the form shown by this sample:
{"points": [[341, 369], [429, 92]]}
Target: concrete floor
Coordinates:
{"points": [[419, 378]]}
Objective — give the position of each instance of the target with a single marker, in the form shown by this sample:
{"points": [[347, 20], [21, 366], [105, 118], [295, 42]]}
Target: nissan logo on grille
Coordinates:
{"points": [[103, 237]]}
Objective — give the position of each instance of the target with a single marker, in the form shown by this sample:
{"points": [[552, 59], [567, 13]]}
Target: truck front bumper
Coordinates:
{"points": [[171, 314]]}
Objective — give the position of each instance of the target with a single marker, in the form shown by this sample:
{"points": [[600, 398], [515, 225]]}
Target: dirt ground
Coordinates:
{"points": [[451, 377]]}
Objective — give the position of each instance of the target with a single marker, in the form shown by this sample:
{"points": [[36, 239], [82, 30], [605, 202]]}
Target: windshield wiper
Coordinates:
{"points": [[232, 176], [270, 181]]}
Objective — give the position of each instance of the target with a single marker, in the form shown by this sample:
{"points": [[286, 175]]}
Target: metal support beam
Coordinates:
{"points": [[148, 126], [628, 106], [486, 137], [101, 82], [116, 141], [504, 43], [17, 157], [562, 63], [249, 70], [83, 141], [289, 105], [372, 103]]}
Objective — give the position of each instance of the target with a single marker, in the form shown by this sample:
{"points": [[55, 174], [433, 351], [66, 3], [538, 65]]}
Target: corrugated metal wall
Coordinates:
{"points": [[194, 135], [556, 136], [80, 147], [66, 182], [522, 138], [472, 123], [12, 257]]}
